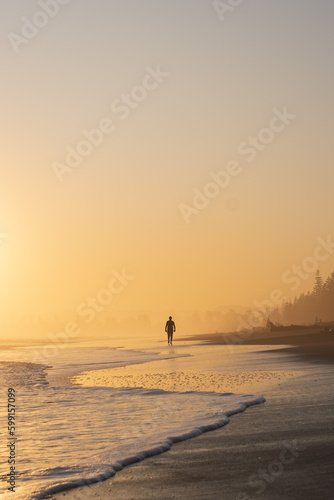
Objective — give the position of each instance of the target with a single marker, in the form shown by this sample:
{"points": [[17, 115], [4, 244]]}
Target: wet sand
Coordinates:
{"points": [[280, 449], [313, 344]]}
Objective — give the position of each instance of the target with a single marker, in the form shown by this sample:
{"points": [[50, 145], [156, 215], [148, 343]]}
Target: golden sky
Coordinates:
{"points": [[183, 94]]}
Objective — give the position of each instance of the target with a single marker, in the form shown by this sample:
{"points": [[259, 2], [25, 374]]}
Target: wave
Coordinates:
{"points": [[191, 414], [70, 436]]}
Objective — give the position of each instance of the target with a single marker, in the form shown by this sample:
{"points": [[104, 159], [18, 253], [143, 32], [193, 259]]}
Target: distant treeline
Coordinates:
{"points": [[311, 307], [308, 308]]}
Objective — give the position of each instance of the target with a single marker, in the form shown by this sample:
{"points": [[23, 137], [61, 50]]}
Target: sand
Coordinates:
{"points": [[185, 376], [313, 345], [280, 449]]}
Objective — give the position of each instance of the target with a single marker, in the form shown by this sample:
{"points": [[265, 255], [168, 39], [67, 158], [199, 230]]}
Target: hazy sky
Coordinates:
{"points": [[181, 88]]}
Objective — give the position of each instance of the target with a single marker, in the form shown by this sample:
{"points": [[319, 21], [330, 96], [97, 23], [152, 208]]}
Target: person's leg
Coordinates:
{"points": [[171, 337], [168, 337]]}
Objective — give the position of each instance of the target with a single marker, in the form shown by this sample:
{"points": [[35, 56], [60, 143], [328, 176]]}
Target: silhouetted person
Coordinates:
{"points": [[170, 329]]}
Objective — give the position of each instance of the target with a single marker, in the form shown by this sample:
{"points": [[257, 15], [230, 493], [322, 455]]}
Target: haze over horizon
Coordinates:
{"points": [[185, 149]]}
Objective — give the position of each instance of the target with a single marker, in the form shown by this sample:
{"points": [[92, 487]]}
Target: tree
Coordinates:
{"points": [[318, 285]]}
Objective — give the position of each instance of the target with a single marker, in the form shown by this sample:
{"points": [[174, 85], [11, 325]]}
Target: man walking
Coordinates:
{"points": [[170, 329]]}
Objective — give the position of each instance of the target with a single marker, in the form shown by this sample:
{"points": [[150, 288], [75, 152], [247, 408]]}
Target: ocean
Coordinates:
{"points": [[66, 435]]}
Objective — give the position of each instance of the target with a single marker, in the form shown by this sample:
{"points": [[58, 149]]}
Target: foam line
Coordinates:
{"points": [[157, 450]]}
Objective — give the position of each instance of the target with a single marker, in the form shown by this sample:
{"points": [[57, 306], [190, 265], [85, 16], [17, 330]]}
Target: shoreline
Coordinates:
{"points": [[315, 346], [248, 455], [232, 459]]}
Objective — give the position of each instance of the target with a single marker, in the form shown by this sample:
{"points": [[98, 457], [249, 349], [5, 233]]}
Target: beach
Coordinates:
{"points": [[279, 449], [313, 344], [71, 433], [199, 419], [167, 250]]}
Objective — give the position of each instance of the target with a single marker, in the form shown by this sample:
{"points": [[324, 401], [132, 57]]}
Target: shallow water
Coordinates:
{"points": [[71, 434]]}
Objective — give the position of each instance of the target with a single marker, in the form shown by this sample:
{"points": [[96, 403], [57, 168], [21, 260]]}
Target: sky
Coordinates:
{"points": [[212, 176]]}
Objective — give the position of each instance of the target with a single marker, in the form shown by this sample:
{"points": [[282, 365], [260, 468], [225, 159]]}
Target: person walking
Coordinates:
{"points": [[170, 329]]}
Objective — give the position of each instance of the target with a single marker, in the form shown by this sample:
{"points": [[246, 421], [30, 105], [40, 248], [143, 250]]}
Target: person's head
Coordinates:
{"points": [[170, 317]]}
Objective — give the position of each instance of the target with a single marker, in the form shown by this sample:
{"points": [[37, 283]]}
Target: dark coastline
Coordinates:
{"points": [[312, 345]]}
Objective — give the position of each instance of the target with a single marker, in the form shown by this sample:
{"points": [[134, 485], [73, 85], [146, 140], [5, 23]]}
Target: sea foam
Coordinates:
{"points": [[71, 435]]}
